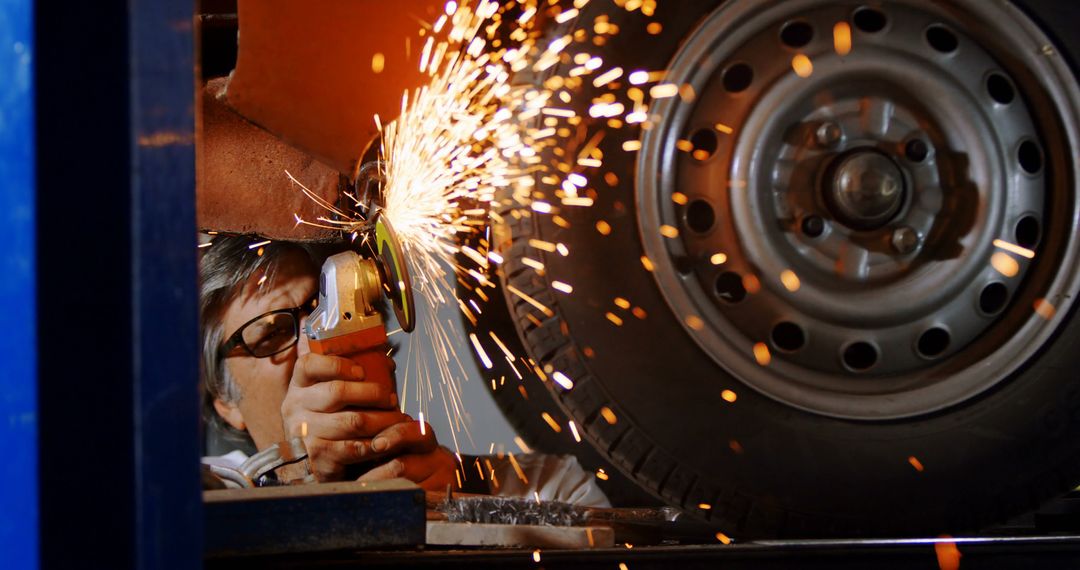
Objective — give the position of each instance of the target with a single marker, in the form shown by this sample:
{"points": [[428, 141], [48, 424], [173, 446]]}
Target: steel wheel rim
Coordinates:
{"points": [[927, 377]]}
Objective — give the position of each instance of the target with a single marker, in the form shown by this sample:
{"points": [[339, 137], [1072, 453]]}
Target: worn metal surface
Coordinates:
{"points": [[305, 70], [18, 417], [307, 518], [164, 313], [241, 177]]}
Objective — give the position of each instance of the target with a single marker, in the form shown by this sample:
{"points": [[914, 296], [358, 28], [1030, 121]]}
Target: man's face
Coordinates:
{"points": [[263, 382]]}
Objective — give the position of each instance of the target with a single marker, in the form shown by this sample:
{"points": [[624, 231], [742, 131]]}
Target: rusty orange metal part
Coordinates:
{"points": [[315, 73], [241, 185]]}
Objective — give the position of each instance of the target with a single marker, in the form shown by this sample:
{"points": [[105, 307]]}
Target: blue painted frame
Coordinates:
{"points": [[18, 404], [116, 287], [168, 504]]}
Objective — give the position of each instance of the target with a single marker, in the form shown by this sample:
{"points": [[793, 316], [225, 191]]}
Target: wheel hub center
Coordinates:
{"points": [[864, 189]]}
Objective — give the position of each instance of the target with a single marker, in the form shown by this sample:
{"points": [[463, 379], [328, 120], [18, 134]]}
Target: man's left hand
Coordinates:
{"points": [[417, 456]]}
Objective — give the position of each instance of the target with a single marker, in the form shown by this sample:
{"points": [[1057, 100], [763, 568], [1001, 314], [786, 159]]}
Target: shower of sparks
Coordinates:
{"points": [[914, 461], [480, 351], [695, 322], [517, 469], [1045, 309], [560, 286], [761, 354], [476, 146], [550, 421], [751, 283], [562, 380], [842, 38], [790, 280], [1013, 248], [1004, 264], [802, 65]]}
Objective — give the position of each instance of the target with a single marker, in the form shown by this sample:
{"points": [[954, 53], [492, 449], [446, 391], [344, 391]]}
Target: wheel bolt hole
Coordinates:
{"points": [[1028, 232], [729, 287], [869, 20], [940, 38], [933, 342], [700, 216], [788, 336], [1030, 157], [916, 150], [705, 143], [738, 77], [860, 356], [684, 265], [1000, 88], [993, 297], [813, 226], [796, 34]]}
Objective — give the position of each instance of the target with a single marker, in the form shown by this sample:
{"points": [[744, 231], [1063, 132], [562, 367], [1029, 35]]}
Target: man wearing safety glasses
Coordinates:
{"points": [[261, 383]]}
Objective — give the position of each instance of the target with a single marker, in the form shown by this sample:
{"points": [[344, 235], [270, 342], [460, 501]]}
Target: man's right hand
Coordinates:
{"points": [[341, 410]]}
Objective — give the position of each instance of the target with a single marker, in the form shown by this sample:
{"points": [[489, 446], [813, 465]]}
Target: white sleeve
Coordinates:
{"points": [[553, 477], [233, 459]]}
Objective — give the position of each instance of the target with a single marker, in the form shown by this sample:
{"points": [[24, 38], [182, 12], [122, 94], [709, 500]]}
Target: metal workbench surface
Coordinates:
{"points": [[1058, 551]]}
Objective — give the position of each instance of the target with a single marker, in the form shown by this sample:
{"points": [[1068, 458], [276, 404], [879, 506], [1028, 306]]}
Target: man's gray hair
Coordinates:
{"points": [[225, 267]]}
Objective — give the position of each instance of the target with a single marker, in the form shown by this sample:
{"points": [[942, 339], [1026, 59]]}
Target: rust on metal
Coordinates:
{"points": [[304, 70], [241, 185]]}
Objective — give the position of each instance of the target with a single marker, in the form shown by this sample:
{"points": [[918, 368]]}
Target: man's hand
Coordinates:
{"points": [[417, 456], [340, 409]]}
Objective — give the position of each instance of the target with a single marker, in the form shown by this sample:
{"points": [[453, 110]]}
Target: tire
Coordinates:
{"points": [[737, 437], [524, 401]]}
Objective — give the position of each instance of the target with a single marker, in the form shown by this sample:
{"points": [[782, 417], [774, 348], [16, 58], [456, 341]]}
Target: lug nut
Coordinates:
{"points": [[813, 226], [905, 240], [828, 134]]}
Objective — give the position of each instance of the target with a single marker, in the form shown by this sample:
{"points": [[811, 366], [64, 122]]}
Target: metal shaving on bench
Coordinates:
{"points": [[512, 510]]}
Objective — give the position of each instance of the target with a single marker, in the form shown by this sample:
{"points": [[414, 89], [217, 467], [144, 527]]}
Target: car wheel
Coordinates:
{"points": [[828, 290]]}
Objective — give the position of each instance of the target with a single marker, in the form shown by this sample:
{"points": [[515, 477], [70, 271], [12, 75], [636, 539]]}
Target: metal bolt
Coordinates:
{"points": [[813, 226], [828, 134], [905, 240]]}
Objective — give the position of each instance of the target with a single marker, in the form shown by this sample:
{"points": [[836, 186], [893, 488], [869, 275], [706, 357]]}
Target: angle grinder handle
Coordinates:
{"points": [[367, 348]]}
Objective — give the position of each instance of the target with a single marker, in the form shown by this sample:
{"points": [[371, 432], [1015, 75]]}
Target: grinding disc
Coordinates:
{"points": [[395, 270]]}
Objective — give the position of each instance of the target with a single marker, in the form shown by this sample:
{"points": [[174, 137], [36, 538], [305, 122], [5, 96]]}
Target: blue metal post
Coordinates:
{"points": [[18, 414], [117, 362], [168, 508]]}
